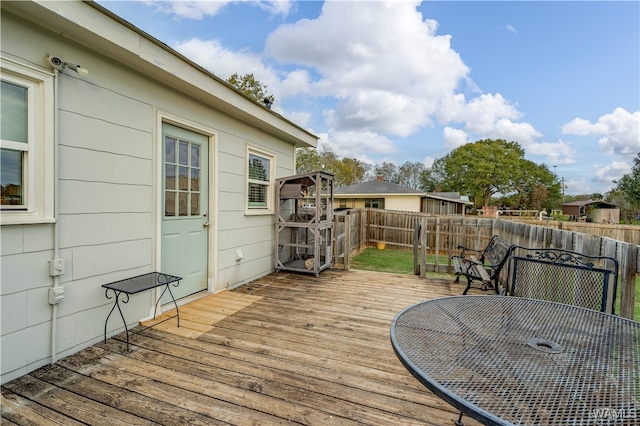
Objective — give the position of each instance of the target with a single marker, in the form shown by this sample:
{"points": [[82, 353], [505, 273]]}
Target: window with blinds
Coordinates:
{"points": [[27, 140], [14, 132], [259, 180]]}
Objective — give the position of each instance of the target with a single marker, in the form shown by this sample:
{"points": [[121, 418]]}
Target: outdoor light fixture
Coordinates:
{"points": [[61, 65]]}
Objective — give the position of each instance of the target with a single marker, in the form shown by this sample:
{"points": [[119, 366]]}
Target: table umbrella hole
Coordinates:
{"points": [[544, 345]]}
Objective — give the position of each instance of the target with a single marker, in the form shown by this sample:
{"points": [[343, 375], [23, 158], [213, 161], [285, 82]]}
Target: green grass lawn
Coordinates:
{"points": [[396, 261], [401, 262]]}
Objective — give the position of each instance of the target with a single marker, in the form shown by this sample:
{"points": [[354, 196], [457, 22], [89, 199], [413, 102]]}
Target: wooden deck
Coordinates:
{"points": [[285, 349]]}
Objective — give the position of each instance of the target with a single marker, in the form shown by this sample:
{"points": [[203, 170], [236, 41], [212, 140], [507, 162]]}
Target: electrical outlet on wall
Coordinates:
{"points": [[56, 295], [56, 267]]}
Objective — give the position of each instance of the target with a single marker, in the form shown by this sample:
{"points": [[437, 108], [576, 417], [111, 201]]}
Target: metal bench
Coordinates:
{"points": [[563, 276], [482, 266]]}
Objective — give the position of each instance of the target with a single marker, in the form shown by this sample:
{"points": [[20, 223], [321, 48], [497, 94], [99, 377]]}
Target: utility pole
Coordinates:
{"points": [[563, 190]]}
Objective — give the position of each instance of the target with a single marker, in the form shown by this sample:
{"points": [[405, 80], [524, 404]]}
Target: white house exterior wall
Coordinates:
{"points": [[402, 203], [108, 221]]}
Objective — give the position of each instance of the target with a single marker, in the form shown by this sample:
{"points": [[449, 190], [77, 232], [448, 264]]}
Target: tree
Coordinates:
{"points": [[432, 178], [628, 188], [386, 170], [629, 184], [482, 169], [536, 187], [251, 87], [409, 175], [347, 171], [307, 160]]}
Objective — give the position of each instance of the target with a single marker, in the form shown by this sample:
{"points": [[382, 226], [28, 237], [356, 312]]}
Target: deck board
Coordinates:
{"points": [[285, 349]]}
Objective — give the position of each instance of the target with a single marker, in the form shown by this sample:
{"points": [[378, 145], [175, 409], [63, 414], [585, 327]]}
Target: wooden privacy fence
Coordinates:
{"points": [[440, 236]]}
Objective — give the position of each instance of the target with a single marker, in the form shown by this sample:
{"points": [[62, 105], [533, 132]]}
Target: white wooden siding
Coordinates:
{"points": [[108, 186]]}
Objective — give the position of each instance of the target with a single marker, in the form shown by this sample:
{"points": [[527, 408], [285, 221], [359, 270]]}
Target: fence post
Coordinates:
{"points": [[423, 247], [347, 240], [629, 267], [416, 248], [437, 253]]}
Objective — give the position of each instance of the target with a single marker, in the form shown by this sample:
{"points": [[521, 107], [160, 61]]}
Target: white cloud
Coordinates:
{"points": [[554, 152], [453, 138], [295, 83], [382, 61], [358, 145], [199, 9], [613, 171], [488, 116], [386, 68], [302, 119], [620, 131], [428, 161], [224, 62], [511, 28]]}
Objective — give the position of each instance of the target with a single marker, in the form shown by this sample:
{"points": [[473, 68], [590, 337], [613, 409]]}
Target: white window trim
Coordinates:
{"points": [[269, 209], [39, 174]]}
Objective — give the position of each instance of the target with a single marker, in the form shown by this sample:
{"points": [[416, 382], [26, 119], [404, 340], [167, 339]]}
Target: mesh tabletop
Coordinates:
{"points": [[142, 282], [511, 360]]}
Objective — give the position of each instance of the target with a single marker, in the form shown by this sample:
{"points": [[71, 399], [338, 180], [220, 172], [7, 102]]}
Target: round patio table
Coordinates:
{"points": [[514, 361]]}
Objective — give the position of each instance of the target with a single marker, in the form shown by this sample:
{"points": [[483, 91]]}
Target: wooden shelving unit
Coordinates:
{"points": [[304, 222]]}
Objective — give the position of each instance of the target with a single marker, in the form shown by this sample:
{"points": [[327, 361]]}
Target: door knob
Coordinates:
{"points": [[206, 224]]}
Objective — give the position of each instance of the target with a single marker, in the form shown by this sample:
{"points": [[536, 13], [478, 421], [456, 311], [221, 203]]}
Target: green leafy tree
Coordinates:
{"points": [[482, 169], [347, 171], [307, 160], [432, 178], [251, 87], [350, 171], [628, 189], [629, 184]]}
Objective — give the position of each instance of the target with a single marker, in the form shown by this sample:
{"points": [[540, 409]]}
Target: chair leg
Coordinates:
{"points": [[464, 293]]}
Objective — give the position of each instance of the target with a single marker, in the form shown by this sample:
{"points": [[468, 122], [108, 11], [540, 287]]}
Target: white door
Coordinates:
{"points": [[185, 221]]}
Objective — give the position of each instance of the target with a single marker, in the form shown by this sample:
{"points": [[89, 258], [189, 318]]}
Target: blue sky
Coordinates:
{"points": [[410, 81]]}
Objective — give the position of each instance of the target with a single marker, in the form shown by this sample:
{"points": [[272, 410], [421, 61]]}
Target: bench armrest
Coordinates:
{"points": [[467, 249]]}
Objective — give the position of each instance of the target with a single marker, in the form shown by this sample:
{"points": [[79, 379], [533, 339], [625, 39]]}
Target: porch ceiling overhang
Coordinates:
{"points": [[451, 200], [91, 25]]}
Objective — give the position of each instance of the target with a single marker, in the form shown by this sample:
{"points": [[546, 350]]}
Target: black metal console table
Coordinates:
{"points": [[135, 285]]}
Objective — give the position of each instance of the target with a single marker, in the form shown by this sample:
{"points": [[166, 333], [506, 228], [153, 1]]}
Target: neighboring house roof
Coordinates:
{"points": [[376, 187], [449, 196], [595, 203]]}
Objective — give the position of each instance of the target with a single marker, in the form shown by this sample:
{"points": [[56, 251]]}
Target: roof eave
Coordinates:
{"points": [[118, 39]]}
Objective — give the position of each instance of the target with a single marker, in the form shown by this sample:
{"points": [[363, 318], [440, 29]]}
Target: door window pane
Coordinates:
{"points": [[195, 179], [183, 155], [11, 169], [170, 150], [195, 204], [195, 155], [169, 203], [182, 177], [170, 176], [183, 204]]}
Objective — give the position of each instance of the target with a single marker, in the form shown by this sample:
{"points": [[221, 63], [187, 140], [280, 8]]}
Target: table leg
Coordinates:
{"points": [[116, 304], [172, 298], [459, 421]]}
